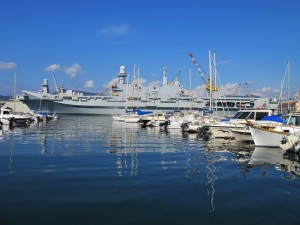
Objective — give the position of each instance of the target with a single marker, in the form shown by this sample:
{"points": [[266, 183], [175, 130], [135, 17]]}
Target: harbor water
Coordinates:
{"points": [[90, 170]]}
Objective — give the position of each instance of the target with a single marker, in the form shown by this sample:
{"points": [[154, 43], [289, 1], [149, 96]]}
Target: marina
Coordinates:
{"points": [[83, 169], [161, 113]]}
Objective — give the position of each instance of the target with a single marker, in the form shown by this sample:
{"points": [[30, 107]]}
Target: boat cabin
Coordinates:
{"points": [[252, 114], [292, 119]]}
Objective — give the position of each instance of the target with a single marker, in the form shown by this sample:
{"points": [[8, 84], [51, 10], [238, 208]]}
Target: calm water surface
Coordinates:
{"points": [[91, 170]]}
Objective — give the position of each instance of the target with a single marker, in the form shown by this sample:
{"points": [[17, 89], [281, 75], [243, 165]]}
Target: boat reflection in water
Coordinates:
{"points": [[276, 158], [127, 141]]}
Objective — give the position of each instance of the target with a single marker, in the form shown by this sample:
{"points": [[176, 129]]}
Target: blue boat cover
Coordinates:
{"points": [[274, 118], [139, 112]]}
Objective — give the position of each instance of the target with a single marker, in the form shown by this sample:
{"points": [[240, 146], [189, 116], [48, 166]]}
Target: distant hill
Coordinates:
{"points": [[5, 97]]}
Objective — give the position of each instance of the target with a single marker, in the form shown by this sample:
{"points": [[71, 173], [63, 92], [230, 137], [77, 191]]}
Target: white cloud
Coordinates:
{"points": [[237, 89], [73, 70], [115, 30], [267, 92], [7, 65], [199, 91], [89, 84], [53, 67], [231, 89]]}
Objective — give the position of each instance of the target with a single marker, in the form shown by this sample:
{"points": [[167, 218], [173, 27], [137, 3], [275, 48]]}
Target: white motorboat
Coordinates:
{"points": [[223, 128], [7, 117], [271, 136], [153, 119]]}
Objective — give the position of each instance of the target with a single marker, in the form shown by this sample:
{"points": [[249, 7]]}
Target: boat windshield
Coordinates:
{"points": [[237, 115], [293, 120], [244, 115], [250, 115]]}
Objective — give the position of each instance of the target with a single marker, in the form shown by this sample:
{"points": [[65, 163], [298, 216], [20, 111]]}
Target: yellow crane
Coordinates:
{"points": [[206, 81]]}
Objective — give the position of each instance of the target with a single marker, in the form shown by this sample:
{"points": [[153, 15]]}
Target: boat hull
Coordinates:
{"points": [[242, 135], [263, 137]]}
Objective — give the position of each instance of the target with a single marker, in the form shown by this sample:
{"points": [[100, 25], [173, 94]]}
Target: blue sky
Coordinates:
{"points": [[85, 42]]}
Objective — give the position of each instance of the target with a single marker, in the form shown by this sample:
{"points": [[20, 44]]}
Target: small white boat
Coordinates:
{"points": [[7, 117], [150, 119], [44, 116], [131, 118]]}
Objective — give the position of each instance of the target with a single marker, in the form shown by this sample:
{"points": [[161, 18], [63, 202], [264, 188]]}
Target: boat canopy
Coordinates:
{"points": [[139, 112], [274, 118]]}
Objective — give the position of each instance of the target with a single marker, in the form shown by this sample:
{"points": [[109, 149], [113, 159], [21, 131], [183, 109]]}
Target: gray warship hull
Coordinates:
{"points": [[170, 96]]}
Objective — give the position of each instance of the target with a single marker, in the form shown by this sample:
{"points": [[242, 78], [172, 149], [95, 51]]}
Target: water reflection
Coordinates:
{"points": [[97, 147], [211, 178], [11, 155], [127, 141], [73, 135], [278, 159]]}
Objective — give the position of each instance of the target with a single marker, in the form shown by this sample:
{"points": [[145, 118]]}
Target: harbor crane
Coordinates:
{"points": [[206, 81], [176, 76]]}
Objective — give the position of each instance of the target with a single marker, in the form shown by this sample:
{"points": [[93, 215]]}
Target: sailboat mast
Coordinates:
{"points": [[281, 97], [215, 74], [190, 86], [15, 83], [133, 79], [210, 83], [289, 85], [127, 84], [138, 88]]}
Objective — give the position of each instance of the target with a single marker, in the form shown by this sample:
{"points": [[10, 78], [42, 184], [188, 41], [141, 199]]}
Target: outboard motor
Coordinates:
{"points": [[165, 125], [185, 125]]}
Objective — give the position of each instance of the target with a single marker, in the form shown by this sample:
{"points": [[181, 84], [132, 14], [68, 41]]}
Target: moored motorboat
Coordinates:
{"points": [[41, 116], [223, 128], [153, 119], [7, 117], [270, 135]]}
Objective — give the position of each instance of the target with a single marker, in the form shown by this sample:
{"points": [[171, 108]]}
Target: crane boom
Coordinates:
{"points": [[207, 82], [177, 76], [198, 67], [56, 86]]}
